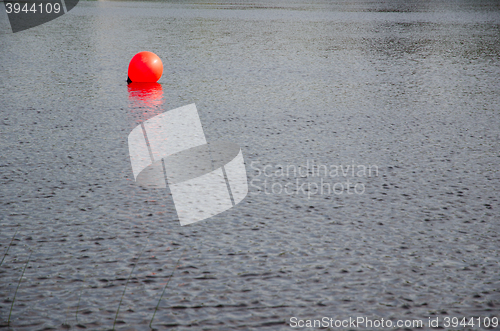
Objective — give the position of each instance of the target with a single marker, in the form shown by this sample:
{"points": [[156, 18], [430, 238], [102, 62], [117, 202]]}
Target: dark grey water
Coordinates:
{"points": [[408, 89]]}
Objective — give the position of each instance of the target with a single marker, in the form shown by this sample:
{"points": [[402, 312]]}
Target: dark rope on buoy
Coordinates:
{"points": [[128, 80]]}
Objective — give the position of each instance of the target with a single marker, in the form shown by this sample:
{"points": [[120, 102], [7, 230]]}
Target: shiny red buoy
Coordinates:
{"points": [[145, 67]]}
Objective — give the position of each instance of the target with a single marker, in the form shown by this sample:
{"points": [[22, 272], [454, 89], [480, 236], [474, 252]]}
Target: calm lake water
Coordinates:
{"points": [[408, 91]]}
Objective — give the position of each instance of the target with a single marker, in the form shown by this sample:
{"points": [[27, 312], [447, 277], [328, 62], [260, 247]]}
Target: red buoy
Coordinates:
{"points": [[145, 67]]}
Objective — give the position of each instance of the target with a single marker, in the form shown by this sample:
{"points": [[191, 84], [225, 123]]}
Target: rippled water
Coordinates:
{"points": [[409, 89]]}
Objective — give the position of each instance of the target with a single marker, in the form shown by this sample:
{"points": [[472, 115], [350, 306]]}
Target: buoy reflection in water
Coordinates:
{"points": [[145, 101]]}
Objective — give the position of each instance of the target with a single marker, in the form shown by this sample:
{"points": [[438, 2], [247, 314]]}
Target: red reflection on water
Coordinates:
{"points": [[145, 101]]}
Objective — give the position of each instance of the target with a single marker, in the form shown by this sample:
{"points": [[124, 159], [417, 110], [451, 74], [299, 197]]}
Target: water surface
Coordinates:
{"points": [[409, 88]]}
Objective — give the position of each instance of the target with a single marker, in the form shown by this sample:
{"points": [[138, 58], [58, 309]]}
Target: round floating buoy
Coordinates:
{"points": [[145, 67]]}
